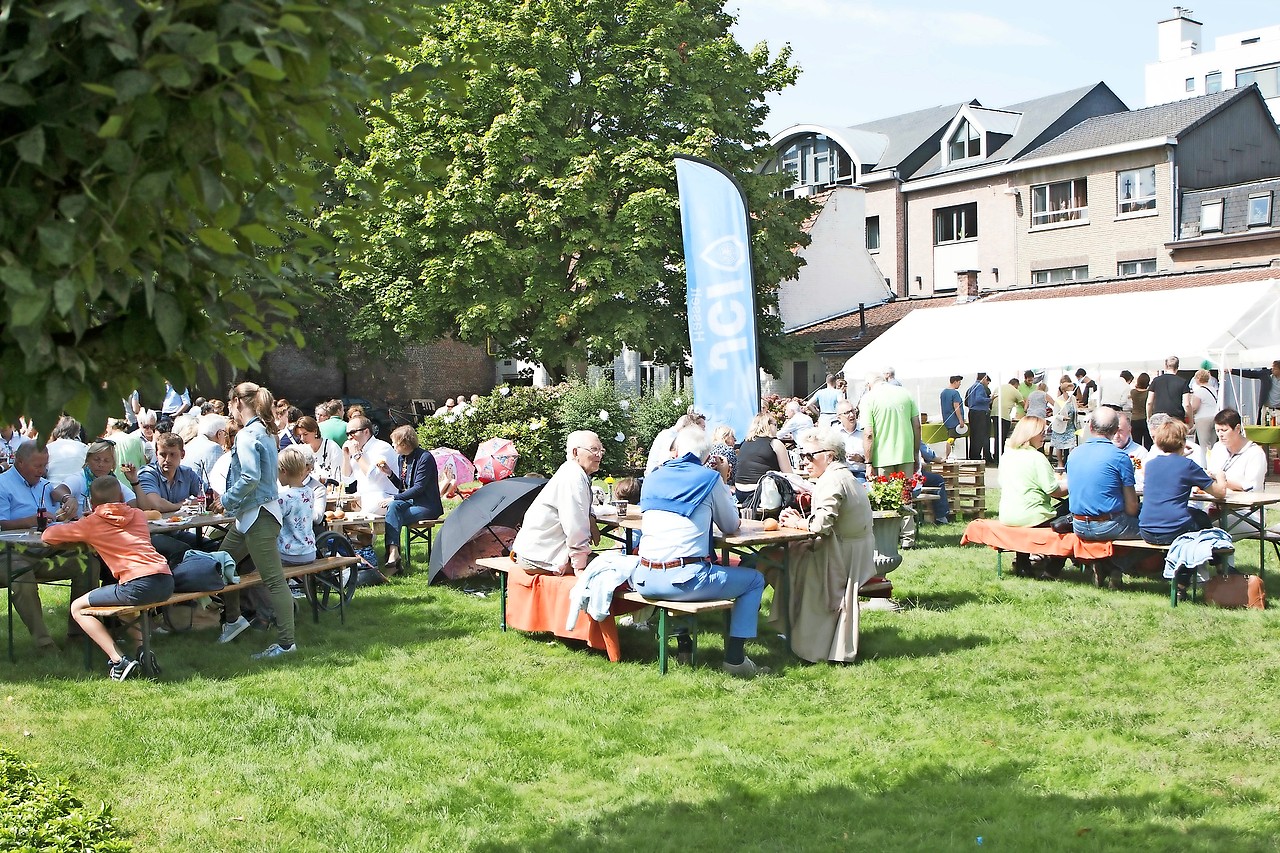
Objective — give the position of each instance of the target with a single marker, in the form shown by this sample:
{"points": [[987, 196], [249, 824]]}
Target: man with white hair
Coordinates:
{"points": [[1123, 438], [891, 376], [206, 448], [797, 421], [678, 503], [557, 533], [1104, 501]]}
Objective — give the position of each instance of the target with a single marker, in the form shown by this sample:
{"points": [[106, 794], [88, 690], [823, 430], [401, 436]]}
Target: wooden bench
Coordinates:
{"points": [[420, 531], [666, 609], [308, 572], [1144, 545]]}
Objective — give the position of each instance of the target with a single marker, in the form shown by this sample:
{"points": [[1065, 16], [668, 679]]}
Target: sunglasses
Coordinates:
{"points": [[807, 456], [354, 432]]}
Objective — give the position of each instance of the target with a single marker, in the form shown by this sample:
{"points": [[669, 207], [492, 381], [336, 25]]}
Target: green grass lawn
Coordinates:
{"points": [[1030, 715]]}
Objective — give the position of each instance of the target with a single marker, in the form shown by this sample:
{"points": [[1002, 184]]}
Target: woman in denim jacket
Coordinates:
{"points": [[251, 497]]}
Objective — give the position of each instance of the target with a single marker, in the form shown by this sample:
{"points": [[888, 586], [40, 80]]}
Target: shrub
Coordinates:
{"points": [[597, 408], [45, 815], [651, 415]]}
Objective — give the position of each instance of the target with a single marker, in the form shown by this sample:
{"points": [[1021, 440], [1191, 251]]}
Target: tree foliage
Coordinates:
{"points": [[551, 229], [163, 162]]}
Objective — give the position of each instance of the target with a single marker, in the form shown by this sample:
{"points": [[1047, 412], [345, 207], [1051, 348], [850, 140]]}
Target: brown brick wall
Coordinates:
{"points": [[432, 371]]}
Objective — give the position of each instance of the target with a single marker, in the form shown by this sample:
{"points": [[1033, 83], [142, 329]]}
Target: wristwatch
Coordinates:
{"points": [[357, 455]]}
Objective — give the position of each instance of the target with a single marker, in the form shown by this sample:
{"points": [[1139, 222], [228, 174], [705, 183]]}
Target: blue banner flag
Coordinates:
{"points": [[721, 298]]}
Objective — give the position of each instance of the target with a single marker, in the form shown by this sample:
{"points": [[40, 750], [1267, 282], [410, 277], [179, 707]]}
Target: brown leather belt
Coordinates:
{"points": [[1107, 517], [673, 564]]}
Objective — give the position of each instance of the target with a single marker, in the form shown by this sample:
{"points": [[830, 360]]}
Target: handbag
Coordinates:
{"points": [[1236, 591]]}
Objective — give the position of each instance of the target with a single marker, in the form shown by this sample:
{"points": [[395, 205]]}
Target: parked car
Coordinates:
{"points": [[380, 415]]}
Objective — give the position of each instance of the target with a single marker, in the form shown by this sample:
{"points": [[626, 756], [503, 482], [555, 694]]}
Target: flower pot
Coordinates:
{"points": [[886, 529]]}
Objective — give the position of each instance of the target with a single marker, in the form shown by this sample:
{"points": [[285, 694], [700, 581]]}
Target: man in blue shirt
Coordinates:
{"points": [[167, 486], [952, 407], [1104, 502], [23, 491], [828, 398], [978, 399]]}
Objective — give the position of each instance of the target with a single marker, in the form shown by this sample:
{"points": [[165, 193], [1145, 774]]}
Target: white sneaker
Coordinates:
{"points": [[275, 650], [746, 669], [231, 630]]}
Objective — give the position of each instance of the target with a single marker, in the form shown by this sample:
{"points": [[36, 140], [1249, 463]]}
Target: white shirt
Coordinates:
{"points": [[66, 459], [1135, 450], [374, 487], [670, 536], [219, 472], [1208, 401], [797, 423], [556, 531], [660, 450], [853, 441], [1248, 467]]}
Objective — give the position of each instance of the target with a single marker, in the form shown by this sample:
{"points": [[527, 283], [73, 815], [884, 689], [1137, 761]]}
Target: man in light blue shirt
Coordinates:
{"points": [[175, 403], [23, 491], [678, 503]]}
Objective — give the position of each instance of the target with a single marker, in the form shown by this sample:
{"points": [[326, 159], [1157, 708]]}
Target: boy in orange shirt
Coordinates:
{"points": [[118, 532]]}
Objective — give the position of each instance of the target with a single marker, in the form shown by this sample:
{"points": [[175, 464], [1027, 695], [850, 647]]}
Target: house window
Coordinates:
{"points": [[1210, 216], [1259, 210], [953, 224], [1213, 82], [1144, 267], [873, 233], [1059, 275], [1191, 84], [1136, 190], [816, 161], [1268, 80], [1060, 202], [964, 143]]}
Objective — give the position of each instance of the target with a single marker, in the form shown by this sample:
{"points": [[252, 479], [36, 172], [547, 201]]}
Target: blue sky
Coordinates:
{"points": [[868, 59]]}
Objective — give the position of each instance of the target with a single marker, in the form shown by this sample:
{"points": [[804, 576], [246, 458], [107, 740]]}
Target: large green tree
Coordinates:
{"points": [[551, 230], [163, 167]]}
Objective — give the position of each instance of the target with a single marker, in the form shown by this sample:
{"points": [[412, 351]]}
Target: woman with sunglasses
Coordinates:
{"points": [[827, 572]]}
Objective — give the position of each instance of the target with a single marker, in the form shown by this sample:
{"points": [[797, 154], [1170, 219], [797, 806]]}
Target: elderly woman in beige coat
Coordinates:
{"points": [[827, 572]]}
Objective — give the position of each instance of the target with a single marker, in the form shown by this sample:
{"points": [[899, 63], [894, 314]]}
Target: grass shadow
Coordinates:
{"points": [[937, 807]]}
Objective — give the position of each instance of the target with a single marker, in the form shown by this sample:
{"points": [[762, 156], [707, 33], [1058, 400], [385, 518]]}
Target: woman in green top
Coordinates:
{"points": [[1028, 486]]}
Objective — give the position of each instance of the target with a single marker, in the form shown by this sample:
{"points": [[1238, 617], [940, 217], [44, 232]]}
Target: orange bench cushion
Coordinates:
{"points": [[1033, 540]]}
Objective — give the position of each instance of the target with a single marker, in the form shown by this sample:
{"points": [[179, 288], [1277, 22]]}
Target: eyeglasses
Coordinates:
{"points": [[594, 451], [845, 414], [351, 433], [808, 455]]}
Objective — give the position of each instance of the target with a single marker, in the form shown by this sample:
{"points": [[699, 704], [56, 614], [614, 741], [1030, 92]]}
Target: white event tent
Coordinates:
{"points": [[1222, 326]]}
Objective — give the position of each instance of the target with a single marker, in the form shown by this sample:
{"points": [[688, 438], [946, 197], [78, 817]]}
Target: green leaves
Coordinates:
{"points": [[540, 210], [165, 166]]}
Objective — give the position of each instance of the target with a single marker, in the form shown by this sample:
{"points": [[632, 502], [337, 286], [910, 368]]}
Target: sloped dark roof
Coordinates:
{"points": [[1165, 120], [907, 132], [838, 333], [1235, 216], [1038, 115]]}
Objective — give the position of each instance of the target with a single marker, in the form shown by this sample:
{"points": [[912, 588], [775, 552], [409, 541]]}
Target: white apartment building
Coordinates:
{"points": [[1185, 70]]}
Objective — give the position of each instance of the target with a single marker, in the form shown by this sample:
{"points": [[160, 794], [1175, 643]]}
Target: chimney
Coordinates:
{"points": [[1178, 36], [966, 286]]}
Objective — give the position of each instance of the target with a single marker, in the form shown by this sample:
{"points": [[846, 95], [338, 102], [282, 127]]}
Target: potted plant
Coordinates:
{"points": [[889, 494]]}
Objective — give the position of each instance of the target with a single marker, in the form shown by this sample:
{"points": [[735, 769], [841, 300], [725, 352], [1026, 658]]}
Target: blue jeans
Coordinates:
{"points": [[1120, 527], [941, 507], [744, 586], [400, 514]]}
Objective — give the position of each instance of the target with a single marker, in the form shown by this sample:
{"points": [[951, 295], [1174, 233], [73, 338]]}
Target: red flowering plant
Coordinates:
{"points": [[890, 492]]}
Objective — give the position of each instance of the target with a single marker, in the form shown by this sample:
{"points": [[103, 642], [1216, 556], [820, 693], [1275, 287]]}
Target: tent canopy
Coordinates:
{"points": [[1227, 325]]}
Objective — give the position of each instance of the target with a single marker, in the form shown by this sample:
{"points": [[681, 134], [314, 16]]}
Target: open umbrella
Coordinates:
{"points": [[496, 460], [463, 470], [497, 504]]}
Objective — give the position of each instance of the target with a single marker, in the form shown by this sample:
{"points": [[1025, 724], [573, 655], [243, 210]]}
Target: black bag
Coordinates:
{"points": [[198, 572]]}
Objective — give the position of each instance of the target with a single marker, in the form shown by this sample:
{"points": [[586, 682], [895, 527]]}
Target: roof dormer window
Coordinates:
{"points": [[965, 143]]}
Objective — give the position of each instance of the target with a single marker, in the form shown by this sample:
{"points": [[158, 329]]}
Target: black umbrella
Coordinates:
{"points": [[502, 504]]}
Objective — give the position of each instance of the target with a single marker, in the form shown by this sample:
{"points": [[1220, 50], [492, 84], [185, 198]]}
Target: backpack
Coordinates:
{"points": [[773, 494]]}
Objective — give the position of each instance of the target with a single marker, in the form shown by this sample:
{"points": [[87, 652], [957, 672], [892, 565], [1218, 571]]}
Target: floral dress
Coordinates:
{"points": [[1062, 426]]}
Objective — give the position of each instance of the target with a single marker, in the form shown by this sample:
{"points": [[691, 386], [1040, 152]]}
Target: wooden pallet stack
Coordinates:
{"points": [[965, 480]]}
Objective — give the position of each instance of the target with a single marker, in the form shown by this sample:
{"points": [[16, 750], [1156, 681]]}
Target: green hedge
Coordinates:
{"points": [[38, 815], [539, 420]]}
